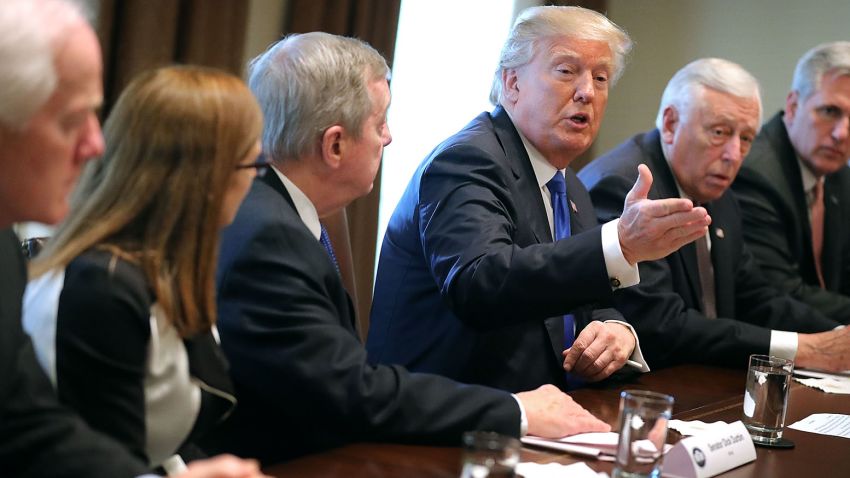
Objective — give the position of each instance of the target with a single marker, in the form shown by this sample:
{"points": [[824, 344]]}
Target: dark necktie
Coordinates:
{"points": [[706, 278], [816, 210], [561, 215], [326, 241]]}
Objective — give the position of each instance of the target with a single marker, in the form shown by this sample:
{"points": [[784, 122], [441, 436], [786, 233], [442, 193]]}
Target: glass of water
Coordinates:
{"points": [[490, 455], [766, 397], [643, 432]]}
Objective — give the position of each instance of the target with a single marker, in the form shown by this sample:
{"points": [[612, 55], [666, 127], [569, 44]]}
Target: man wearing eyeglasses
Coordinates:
{"points": [[794, 187]]}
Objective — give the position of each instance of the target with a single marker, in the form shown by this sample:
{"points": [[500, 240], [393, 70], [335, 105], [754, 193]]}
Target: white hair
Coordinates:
{"points": [[30, 32], [718, 74], [825, 58], [306, 83], [537, 24]]}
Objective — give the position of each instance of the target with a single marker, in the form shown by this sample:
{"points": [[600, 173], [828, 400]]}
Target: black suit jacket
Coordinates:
{"points": [[469, 283], [39, 437], [301, 375], [777, 228], [666, 307]]}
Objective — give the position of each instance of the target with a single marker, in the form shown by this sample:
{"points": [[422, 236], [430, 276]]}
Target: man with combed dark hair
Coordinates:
{"points": [[493, 266], [708, 302], [794, 187], [286, 323], [50, 88]]}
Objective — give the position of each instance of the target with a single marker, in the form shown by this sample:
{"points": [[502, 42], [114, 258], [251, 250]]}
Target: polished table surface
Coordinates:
{"points": [[701, 393]]}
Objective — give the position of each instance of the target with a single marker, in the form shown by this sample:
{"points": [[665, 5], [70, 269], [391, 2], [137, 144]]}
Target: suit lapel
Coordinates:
{"points": [[831, 235], [721, 252], [664, 186], [794, 193], [582, 216], [530, 200], [272, 179]]}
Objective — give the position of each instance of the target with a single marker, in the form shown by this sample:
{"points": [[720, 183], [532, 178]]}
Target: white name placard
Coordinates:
{"points": [[711, 453]]}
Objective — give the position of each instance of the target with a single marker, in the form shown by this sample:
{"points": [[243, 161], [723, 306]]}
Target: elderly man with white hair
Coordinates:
{"points": [[708, 302], [50, 88]]}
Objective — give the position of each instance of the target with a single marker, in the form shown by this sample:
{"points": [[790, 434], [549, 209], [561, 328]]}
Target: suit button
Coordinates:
{"points": [[615, 283]]}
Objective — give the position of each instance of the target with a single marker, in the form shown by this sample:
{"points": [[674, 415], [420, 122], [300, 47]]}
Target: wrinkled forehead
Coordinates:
{"points": [[79, 67], [592, 52]]}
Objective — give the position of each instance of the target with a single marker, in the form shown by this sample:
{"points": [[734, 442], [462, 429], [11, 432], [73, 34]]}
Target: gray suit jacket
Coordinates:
{"points": [[777, 229]]}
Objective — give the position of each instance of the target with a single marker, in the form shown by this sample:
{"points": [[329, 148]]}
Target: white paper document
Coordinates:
{"points": [[808, 372], [828, 384], [825, 424], [602, 446], [695, 427], [594, 445]]}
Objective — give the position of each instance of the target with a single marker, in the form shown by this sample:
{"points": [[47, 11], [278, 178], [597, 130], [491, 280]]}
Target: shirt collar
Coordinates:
{"points": [[305, 209], [673, 174], [809, 180], [543, 169]]}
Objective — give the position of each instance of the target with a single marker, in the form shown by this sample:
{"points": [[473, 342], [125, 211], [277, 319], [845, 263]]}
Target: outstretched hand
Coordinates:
{"points": [[651, 229]]}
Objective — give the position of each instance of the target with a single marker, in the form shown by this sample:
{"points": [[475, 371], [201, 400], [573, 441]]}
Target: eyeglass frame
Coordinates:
{"points": [[261, 165]]}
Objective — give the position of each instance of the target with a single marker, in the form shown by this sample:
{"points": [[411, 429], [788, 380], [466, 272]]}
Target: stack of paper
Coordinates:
{"points": [[602, 446], [828, 382], [695, 427]]}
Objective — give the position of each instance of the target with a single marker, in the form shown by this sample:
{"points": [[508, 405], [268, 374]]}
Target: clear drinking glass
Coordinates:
{"points": [[766, 397], [488, 454], [643, 432]]}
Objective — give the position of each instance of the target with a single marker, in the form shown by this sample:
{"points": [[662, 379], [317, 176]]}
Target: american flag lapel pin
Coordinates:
{"points": [[719, 233], [573, 206]]}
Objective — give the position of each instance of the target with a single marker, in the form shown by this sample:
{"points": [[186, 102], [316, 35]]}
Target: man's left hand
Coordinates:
{"points": [[599, 350]]}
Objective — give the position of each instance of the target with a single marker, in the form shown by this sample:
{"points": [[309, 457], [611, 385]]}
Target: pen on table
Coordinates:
{"points": [[174, 465]]}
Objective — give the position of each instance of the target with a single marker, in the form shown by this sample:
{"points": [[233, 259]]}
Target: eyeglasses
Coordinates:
{"points": [[261, 165]]}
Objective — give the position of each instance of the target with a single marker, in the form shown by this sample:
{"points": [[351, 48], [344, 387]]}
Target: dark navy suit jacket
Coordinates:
{"points": [[300, 371], [666, 307], [470, 284]]}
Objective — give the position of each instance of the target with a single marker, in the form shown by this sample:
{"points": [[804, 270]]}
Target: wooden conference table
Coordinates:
{"points": [[701, 393]]}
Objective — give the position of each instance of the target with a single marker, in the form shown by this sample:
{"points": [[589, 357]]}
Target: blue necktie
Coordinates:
{"points": [[326, 241], [561, 215]]}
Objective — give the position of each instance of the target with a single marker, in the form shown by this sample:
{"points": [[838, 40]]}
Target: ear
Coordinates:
{"points": [[332, 147], [669, 124], [510, 84], [791, 105]]}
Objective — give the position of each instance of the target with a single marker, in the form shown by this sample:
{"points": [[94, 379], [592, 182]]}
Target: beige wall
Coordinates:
{"points": [[765, 36], [265, 24]]}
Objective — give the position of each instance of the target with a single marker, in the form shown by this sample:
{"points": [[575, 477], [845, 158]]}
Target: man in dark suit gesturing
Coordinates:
{"points": [[794, 188], [493, 260], [707, 302], [286, 322]]}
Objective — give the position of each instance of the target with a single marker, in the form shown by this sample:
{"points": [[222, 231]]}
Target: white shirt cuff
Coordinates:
{"points": [[620, 272], [783, 344], [637, 355], [523, 419]]}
